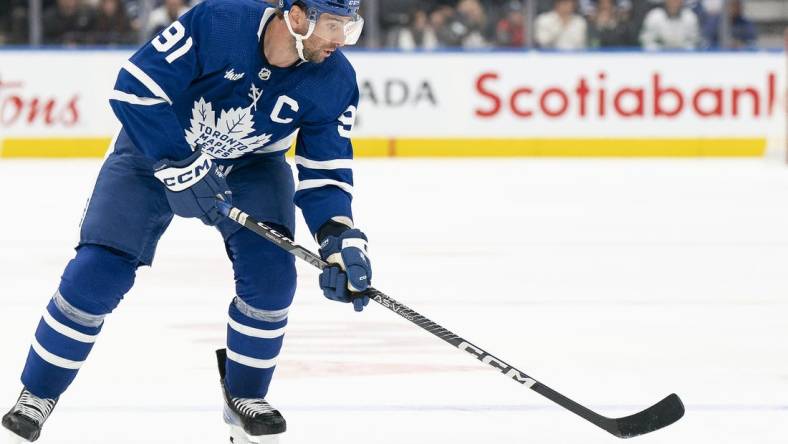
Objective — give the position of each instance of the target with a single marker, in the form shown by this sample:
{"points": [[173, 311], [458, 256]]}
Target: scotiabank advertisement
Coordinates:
{"points": [[577, 94], [475, 98]]}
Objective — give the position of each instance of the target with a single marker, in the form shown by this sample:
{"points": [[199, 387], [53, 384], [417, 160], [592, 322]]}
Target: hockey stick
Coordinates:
{"points": [[659, 415]]}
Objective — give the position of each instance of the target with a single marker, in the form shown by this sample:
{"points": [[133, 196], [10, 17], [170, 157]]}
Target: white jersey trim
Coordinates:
{"points": [[324, 164], [280, 145], [318, 183], [250, 362], [255, 332], [55, 359], [145, 79], [110, 149], [67, 331], [266, 16], [121, 96]]}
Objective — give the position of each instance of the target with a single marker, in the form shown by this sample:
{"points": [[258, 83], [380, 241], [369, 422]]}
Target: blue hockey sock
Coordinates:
{"points": [[62, 342], [253, 345], [92, 285], [265, 282]]}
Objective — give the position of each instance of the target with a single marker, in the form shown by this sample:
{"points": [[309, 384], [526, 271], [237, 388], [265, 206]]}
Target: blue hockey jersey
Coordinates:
{"points": [[204, 83]]}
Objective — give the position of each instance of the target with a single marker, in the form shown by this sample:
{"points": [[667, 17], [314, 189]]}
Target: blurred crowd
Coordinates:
{"points": [[89, 22], [427, 24], [564, 24]]}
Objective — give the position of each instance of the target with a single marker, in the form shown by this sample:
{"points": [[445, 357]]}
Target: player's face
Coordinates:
{"points": [[329, 35], [317, 50]]}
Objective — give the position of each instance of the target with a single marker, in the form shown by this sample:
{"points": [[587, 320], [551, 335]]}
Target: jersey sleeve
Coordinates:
{"points": [[156, 74], [324, 155]]}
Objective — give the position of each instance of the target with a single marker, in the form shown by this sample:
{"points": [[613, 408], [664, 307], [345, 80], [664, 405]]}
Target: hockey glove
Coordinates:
{"points": [[192, 187], [350, 272]]}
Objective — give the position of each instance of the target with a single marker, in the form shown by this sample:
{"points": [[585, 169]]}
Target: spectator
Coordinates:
{"points": [[418, 35], [697, 6], [163, 16], [465, 27], [394, 14], [611, 25], [13, 22], [439, 17], [561, 28], [112, 24], [510, 30], [5, 20], [742, 31], [670, 27], [134, 10], [68, 22]]}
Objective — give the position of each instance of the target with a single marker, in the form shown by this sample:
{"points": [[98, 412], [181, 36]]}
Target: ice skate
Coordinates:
{"points": [[251, 420], [28, 416]]}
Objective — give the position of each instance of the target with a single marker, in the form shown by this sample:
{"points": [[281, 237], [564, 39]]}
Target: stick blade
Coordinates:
{"points": [[659, 415]]}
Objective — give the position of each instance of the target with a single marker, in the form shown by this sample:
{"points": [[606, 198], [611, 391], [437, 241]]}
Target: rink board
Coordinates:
{"points": [[458, 104]]}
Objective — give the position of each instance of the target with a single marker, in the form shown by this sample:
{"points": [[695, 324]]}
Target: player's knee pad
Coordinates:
{"points": [[96, 280], [265, 275]]}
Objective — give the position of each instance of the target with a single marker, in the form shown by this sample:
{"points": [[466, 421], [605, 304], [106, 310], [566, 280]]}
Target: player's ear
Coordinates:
{"points": [[298, 16]]}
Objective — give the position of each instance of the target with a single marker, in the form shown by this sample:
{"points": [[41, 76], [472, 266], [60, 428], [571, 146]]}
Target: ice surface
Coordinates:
{"points": [[615, 282]]}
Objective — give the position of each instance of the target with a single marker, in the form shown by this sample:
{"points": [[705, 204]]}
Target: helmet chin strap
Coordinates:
{"points": [[299, 39]]}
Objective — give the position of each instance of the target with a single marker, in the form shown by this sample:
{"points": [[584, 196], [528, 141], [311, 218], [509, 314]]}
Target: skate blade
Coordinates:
{"points": [[13, 438], [239, 436]]}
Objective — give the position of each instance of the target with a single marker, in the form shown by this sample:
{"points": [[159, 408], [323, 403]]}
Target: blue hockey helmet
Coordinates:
{"points": [[345, 8], [332, 20]]}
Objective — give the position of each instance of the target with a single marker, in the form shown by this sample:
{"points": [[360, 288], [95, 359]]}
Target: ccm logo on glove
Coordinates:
{"points": [[179, 179], [192, 186]]}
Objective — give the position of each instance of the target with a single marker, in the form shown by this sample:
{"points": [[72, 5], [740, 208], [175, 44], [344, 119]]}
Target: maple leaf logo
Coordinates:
{"points": [[234, 127], [202, 116]]}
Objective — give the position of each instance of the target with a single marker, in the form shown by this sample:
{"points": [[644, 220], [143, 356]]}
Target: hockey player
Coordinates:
{"points": [[208, 108]]}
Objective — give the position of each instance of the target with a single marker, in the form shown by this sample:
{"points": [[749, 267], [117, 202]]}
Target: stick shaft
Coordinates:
{"points": [[421, 321]]}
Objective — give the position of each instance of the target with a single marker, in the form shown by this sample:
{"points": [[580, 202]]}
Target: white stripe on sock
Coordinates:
{"points": [[66, 330], [250, 362], [54, 359], [255, 332]]}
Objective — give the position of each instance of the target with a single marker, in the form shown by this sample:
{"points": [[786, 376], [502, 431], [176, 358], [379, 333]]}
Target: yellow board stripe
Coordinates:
{"points": [[54, 147], [579, 147], [413, 147]]}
